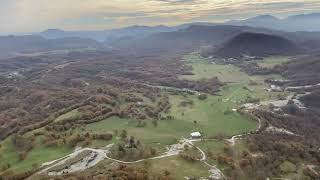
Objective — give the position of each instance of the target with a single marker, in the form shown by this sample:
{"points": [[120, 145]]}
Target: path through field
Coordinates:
{"points": [[97, 155]]}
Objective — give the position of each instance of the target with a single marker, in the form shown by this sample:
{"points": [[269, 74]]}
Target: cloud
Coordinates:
{"points": [[181, 1], [37, 15], [234, 10]]}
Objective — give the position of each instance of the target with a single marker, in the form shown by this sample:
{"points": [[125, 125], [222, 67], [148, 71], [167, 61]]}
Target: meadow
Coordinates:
{"points": [[211, 116], [38, 155], [240, 84], [178, 167], [271, 62]]}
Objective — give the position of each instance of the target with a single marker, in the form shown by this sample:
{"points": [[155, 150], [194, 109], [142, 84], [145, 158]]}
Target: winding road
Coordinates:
{"points": [[173, 150], [101, 154], [233, 139]]}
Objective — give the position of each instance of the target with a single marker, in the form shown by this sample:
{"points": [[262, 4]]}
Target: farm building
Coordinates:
{"points": [[195, 135]]}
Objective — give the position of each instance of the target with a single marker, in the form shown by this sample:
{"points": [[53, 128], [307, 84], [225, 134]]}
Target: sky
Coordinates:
{"points": [[37, 15]]}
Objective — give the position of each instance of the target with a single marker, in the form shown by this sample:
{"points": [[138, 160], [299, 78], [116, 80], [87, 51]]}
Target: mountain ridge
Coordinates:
{"points": [[300, 22]]}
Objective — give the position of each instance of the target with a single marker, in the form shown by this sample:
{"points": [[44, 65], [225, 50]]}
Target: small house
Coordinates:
{"points": [[274, 88], [195, 135]]}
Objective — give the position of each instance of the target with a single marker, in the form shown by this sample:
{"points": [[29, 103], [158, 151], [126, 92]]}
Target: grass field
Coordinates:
{"points": [[71, 114], [236, 78], [203, 69], [38, 155], [270, 62], [178, 167], [210, 116], [215, 148], [164, 133]]}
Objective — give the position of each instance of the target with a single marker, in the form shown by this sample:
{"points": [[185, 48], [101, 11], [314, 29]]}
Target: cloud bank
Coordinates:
{"points": [[37, 15]]}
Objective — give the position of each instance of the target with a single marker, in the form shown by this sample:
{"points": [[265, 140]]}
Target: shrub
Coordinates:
{"points": [[202, 97]]}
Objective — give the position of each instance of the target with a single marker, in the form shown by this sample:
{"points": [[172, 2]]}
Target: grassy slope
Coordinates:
{"points": [[177, 167], [214, 147], [270, 62], [71, 114], [210, 116], [165, 133], [210, 113], [36, 156], [230, 73]]}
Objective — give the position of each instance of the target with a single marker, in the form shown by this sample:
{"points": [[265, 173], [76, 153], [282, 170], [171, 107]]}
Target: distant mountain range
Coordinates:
{"points": [[303, 22], [11, 46], [164, 38], [215, 35], [191, 37], [108, 35], [57, 34]]}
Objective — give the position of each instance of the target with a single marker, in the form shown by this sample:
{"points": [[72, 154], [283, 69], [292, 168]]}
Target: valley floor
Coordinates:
{"points": [[216, 117]]}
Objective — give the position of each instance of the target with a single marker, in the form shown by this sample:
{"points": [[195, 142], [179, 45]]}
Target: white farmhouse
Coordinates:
{"points": [[195, 135]]}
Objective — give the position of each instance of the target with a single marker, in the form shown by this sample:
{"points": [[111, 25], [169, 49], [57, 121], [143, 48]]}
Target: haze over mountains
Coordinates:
{"points": [[303, 22], [108, 35], [11, 46], [167, 38]]}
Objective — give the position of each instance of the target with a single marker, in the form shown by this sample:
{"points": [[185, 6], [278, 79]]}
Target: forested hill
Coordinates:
{"points": [[257, 44]]}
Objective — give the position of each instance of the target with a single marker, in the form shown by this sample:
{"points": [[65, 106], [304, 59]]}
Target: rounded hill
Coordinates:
{"points": [[257, 44]]}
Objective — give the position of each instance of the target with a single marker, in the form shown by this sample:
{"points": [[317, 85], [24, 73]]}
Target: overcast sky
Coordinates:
{"points": [[38, 15]]}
